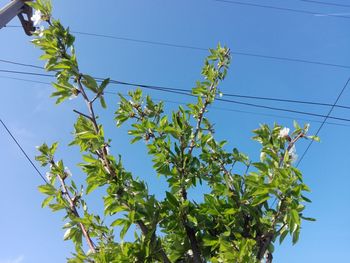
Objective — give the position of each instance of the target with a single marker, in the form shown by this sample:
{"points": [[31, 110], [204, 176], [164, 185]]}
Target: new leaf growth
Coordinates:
{"points": [[241, 216]]}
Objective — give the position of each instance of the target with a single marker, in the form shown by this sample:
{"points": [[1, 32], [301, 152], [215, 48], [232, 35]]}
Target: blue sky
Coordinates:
{"points": [[34, 235]]}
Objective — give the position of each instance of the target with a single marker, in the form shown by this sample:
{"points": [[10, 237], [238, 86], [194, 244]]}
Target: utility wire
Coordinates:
{"points": [[14, 26], [20, 64], [212, 107], [140, 40], [22, 150], [248, 54], [285, 100], [325, 3], [26, 80], [258, 105], [325, 119], [305, 152], [226, 94], [281, 8], [187, 93], [26, 73]]}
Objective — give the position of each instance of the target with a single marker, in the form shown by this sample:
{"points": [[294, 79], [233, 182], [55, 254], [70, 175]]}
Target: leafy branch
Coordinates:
{"points": [[237, 220]]}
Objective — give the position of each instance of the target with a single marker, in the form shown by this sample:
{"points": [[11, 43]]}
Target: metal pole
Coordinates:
{"points": [[17, 8], [9, 11]]}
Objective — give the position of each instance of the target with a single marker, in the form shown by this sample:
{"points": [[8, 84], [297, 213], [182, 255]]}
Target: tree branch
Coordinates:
{"points": [[270, 236], [75, 211], [83, 114], [106, 162]]}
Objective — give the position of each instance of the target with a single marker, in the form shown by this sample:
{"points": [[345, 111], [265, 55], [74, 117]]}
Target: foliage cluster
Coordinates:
{"points": [[239, 219]]}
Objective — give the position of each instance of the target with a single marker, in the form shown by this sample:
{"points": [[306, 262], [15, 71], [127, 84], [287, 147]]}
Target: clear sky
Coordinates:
{"points": [[34, 235]]}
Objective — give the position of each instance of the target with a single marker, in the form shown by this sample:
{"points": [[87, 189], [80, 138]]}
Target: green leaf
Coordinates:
{"points": [[47, 189], [208, 242], [314, 138], [135, 139], [103, 102], [192, 220], [90, 83], [261, 166], [119, 222], [296, 235], [260, 199], [53, 148], [91, 187], [295, 216], [70, 232], [308, 219], [296, 125], [283, 236], [104, 85], [261, 191], [230, 211], [172, 199], [125, 229], [47, 201], [306, 199]]}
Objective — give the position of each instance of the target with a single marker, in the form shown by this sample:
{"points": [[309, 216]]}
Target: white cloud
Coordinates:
{"points": [[18, 259]]}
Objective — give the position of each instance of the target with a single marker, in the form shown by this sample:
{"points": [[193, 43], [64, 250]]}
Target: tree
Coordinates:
{"points": [[240, 217]]}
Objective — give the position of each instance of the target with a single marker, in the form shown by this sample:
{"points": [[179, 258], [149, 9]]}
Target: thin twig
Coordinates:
{"points": [[83, 114], [75, 211], [103, 154]]}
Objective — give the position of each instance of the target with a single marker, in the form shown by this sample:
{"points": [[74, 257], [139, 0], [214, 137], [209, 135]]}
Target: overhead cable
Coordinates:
{"points": [[249, 54], [299, 11], [325, 3], [23, 151], [324, 121], [212, 107], [185, 90], [188, 93], [183, 46]]}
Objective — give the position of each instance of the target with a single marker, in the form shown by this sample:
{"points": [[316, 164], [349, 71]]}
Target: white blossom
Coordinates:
{"points": [[49, 176], [147, 111], [284, 132], [36, 18], [73, 96], [41, 31], [190, 252], [67, 171], [293, 154]]}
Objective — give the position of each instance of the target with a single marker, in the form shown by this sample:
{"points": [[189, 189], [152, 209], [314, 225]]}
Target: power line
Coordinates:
{"points": [[185, 90], [26, 73], [325, 119], [212, 107], [299, 11], [187, 93], [22, 150], [140, 40], [20, 64], [263, 106], [14, 26], [325, 3], [286, 100], [247, 54], [27, 80]]}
